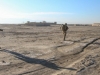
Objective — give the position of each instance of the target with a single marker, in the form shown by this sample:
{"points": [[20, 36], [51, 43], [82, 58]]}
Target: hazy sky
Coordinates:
{"points": [[61, 11]]}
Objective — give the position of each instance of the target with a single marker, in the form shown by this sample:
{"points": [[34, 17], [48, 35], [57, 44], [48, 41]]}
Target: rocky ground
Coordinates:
{"points": [[31, 50]]}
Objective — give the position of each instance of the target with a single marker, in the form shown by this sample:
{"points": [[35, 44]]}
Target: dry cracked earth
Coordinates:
{"points": [[31, 50]]}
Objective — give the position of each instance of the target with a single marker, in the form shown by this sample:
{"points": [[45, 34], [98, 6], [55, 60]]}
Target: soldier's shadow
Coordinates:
{"points": [[43, 62]]}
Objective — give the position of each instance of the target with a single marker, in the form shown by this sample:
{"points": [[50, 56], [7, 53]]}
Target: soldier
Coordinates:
{"points": [[64, 28]]}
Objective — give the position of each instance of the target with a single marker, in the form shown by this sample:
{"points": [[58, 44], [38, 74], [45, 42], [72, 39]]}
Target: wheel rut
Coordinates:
{"points": [[54, 66]]}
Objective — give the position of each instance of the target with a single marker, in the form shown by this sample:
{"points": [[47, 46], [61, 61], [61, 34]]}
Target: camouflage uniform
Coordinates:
{"points": [[64, 29]]}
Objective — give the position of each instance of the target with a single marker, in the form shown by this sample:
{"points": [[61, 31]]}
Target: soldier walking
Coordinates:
{"points": [[64, 28]]}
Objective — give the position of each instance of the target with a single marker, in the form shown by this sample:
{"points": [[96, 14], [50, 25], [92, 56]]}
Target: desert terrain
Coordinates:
{"points": [[32, 50]]}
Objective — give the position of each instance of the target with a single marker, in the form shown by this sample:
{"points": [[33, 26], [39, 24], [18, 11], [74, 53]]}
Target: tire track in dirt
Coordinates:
{"points": [[88, 45], [65, 58], [82, 53], [43, 70]]}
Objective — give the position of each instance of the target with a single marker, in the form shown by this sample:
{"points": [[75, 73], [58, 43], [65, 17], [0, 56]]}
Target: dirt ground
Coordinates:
{"points": [[31, 50]]}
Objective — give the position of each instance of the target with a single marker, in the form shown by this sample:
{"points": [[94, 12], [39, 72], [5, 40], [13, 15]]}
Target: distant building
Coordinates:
{"points": [[44, 23], [81, 24], [96, 24]]}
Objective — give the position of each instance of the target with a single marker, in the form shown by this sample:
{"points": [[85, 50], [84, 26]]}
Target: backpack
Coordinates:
{"points": [[64, 27]]}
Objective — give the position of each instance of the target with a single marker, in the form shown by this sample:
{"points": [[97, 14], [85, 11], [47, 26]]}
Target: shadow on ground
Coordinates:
{"points": [[43, 62]]}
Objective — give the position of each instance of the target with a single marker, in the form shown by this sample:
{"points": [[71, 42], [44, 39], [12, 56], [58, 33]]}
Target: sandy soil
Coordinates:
{"points": [[31, 50]]}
